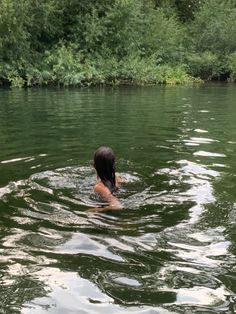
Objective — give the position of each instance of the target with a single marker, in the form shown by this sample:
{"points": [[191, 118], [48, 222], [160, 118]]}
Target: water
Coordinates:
{"points": [[172, 250]]}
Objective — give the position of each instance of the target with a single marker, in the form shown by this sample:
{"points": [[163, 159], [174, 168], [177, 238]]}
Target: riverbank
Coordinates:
{"points": [[66, 67], [71, 73], [137, 42]]}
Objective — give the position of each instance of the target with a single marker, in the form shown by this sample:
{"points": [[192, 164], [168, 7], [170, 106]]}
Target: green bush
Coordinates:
{"points": [[232, 66], [77, 43], [60, 66], [144, 71], [163, 37], [214, 27], [205, 65]]}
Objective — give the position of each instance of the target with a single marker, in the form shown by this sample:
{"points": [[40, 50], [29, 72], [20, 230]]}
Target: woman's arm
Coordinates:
{"points": [[119, 180]]}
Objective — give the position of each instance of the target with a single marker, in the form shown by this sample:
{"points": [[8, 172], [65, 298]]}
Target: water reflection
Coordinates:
{"points": [[172, 249], [59, 231]]}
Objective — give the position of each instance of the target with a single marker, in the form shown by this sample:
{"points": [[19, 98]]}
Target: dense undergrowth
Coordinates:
{"points": [[81, 43]]}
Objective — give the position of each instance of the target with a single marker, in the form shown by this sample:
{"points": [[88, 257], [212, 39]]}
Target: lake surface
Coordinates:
{"points": [[171, 250]]}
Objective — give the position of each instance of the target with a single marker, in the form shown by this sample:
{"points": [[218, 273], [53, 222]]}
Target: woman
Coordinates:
{"points": [[106, 187]]}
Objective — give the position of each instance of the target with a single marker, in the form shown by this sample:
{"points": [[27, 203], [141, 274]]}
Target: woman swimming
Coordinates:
{"points": [[106, 187]]}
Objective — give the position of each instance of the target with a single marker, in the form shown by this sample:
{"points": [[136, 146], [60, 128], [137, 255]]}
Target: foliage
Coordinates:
{"points": [[204, 64], [214, 27], [212, 38], [77, 43], [232, 66], [185, 9], [67, 67]]}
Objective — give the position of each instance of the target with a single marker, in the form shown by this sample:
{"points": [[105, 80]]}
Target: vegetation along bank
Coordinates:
{"points": [[82, 43]]}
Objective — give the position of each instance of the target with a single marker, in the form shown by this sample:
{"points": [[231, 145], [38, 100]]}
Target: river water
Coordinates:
{"points": [[171, 250]]}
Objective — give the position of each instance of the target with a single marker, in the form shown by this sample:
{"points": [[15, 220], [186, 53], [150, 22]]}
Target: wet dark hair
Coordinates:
{"points": [[104, 163]]}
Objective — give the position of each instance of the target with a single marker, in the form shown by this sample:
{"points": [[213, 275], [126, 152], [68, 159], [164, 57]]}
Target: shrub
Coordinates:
{"points": [[205, 65], [214, 27], [143, 71], [232, 66]]}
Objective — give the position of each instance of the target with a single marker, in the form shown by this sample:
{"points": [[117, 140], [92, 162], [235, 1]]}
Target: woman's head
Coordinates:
{"points": [[104, 163]]}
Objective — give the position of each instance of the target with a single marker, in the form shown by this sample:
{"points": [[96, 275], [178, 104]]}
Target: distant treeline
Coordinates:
{"points": [[90, 42]]}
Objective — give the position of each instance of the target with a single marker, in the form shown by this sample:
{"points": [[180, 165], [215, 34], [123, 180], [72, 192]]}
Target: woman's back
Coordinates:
{"points": [[104, 163]]}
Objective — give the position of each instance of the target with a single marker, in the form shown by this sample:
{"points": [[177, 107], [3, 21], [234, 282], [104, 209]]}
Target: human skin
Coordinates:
{"points": [[105, 194]]}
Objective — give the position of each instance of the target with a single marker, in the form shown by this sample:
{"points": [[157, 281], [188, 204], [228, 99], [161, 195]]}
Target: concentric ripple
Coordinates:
{"points": [[171, 250]]}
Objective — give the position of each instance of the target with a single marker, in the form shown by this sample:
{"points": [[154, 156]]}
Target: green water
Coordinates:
{"points": [[172, 249]]}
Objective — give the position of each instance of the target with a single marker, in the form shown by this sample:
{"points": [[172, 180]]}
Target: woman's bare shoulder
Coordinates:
{"points": [[100, 188]]}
